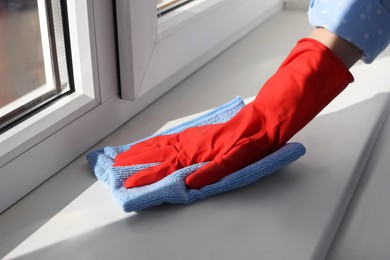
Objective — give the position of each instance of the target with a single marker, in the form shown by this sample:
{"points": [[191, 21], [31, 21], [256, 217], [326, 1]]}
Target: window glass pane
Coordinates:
{"points": [[166, 6], [33, 68]]}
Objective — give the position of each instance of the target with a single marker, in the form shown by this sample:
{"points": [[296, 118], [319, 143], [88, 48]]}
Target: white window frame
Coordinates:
{"points": [[156, 51], [27, 150], [34, 150]]}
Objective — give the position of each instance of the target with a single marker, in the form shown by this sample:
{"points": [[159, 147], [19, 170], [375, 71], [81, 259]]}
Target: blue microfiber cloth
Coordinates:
{"points": [[172, 189]]}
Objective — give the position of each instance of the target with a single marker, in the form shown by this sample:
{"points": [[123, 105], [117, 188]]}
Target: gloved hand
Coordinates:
{"points": [[229, 146], [309, 78]]}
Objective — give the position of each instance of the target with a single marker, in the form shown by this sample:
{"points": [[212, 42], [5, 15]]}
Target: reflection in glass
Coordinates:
{"points": [[29, 73]]}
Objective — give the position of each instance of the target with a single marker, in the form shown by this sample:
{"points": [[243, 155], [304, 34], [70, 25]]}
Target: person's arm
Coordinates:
{"points": [[362, 23], [348, 53], [310, 77]]}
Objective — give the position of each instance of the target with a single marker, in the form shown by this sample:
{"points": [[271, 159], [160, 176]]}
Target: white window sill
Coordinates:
{"points": [[295, 212]]}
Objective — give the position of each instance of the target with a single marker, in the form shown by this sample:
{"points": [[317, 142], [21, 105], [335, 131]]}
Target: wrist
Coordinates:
{"points": [[348, 53]]}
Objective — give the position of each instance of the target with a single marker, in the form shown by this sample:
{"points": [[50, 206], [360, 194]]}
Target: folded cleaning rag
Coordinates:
{"points": [[172, 189]]}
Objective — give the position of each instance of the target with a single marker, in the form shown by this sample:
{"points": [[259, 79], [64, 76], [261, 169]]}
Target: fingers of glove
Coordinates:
{"points": [[151, 175], [152, 155], [236, 159], [206, 175], [153, 143], [158, 148]]}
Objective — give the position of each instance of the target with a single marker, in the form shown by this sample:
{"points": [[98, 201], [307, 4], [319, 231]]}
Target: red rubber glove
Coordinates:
{"points": [[309, 78]]}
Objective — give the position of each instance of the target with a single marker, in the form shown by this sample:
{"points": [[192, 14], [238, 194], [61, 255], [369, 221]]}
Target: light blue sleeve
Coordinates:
{"points": [[364, 23]]}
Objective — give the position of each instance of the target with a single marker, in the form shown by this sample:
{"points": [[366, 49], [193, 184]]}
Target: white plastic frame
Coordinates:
{"points": [[153, 52], [27, 150]]}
